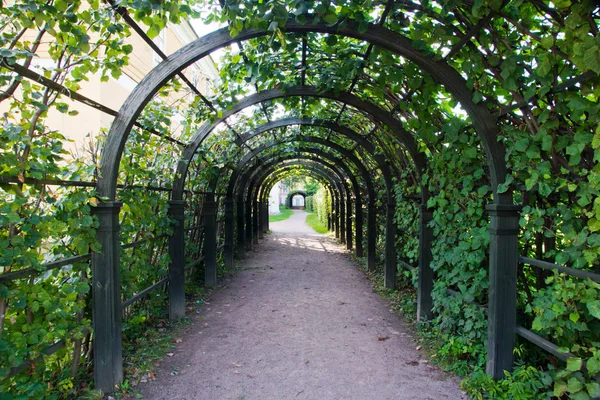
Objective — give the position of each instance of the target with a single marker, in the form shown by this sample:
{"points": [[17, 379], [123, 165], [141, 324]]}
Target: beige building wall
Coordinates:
{"points": [[113, 93]]}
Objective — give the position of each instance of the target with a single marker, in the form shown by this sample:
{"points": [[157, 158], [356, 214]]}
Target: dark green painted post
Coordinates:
{"points": [[255, 228], [267, 218], [390, 248], [177, 265], [248, 239], [342, 221], [229, 233], [106, 299], [261, 220], [502, 298], [209, 214], [359, 228], [336, 221], [425, 285], [241, 251], [349, 223], [329, 221], [371, 235]]}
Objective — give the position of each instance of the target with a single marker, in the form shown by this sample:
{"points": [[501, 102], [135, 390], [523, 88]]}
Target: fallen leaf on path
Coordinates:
{"points": [[178, 340], [382, 338], [419, 348], [237, 364], [413, 362], [170, 354]]}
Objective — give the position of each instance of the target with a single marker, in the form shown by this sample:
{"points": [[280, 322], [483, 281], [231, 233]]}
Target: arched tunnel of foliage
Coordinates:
{"points": [[414, 117]]}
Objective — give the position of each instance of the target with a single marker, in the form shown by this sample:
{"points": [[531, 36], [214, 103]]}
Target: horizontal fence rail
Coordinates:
{"points": [[24, 273], [565, 270], [532, 337]]}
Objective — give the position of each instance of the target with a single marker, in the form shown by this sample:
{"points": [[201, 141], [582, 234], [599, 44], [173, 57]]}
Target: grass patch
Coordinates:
{"points": [[313, 222], [285, 214]]}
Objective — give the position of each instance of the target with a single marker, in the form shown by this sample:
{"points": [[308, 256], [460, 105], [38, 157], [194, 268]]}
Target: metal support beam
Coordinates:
{"points": [[425, 285], [229, 233], [371, 236], [177, 265], [209, 217], [348, 223], [358, 223], [106, 299], [390, 248], [342, 219], [504, 229], [248, 231], [336, 221], [241, 252], [267, 217], [255, 221], [263, 210]]}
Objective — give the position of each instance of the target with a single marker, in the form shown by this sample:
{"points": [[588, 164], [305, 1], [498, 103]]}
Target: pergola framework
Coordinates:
{"points": [[503, 215]]}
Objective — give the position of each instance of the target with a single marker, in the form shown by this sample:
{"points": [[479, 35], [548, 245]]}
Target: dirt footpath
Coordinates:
{"points": [[299, 321]]}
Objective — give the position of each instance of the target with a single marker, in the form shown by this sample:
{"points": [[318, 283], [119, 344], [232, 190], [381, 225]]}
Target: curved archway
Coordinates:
{"points": [[504, 217], [483, 121]]}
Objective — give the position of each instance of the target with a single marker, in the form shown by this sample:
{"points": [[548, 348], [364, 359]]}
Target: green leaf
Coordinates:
{"points": [[574, 317], [330, 18], [593, 365], [574, 385], [574, 363], [594, 308]]}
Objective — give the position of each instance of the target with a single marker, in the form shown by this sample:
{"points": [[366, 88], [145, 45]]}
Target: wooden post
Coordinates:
{"points": [[425, 285], [390, 248], [255, 228], [106, 299], [349, 223], [359, 228], [177, 265], [336, 221], [209, 216], [229, 233], [342, 217], [241, 238], [371, 235], [248, 239], [502, 298], [261, 220], [267, 218]]}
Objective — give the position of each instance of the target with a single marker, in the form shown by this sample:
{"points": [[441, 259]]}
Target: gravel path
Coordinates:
{"points": [[299, 321]]}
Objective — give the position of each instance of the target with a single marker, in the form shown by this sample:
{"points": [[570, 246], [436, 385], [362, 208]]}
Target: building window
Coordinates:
{"points": [[161, 42]]}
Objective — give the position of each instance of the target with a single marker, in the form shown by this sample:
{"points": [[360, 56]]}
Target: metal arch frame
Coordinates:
{"points": [[390, 260], [283, 169], [316, 165], [307, 91], [237, 174], [320, 169], [504, 215], [279, 171], [484, 121], [371, 220], [343, 130], [295, 193], [344, 173], [347, 233], [258, 178], [252, 200]]}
